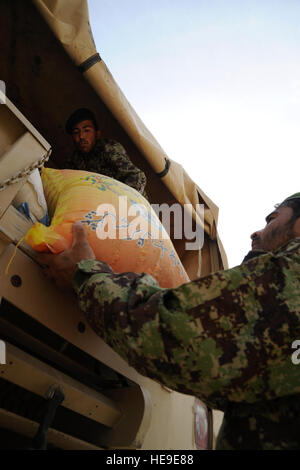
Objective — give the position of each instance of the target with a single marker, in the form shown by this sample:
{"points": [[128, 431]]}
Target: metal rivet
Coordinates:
{"points": [[16, 280], [81, 327]]}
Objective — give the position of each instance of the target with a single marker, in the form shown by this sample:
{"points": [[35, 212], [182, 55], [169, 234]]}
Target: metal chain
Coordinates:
{"points": [[26, 171]]}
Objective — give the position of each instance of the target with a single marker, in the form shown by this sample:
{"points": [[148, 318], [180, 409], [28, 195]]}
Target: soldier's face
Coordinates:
{"points": [[278, 230], [85, 136]]}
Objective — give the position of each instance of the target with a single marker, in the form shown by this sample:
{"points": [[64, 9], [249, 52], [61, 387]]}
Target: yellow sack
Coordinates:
{"points": [[121, 226]]}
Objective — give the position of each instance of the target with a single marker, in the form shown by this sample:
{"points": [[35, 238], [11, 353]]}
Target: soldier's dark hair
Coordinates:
{"points": [[294, 204], [81, 114]]}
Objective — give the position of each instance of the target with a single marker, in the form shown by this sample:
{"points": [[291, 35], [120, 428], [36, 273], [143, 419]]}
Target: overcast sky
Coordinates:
{"points": [[217, 82]]}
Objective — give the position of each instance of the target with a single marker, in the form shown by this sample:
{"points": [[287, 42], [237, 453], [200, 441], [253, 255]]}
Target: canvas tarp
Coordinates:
{"points": [[70, 23]]}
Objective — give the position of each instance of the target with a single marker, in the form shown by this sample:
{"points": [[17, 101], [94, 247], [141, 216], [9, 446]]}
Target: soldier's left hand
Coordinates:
{"points": [[62, 267]]}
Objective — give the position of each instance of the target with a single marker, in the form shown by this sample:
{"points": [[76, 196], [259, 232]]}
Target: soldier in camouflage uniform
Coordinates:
{"points": [[226, 338], [100, 155]]}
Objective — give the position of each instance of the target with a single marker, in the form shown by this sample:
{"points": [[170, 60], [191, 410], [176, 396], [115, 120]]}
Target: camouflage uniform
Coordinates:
{"points": [[109, 158], [226, 338]]}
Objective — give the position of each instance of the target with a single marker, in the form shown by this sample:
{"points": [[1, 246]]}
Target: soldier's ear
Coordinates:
{"points": [[98, 134], [296, 227]]}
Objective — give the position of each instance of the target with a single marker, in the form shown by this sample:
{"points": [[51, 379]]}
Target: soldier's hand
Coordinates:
{"points": [[62, 267]]}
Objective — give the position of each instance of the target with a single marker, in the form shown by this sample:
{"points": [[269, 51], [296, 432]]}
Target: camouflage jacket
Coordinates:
{"points": [[109, 158], [225, 338]]}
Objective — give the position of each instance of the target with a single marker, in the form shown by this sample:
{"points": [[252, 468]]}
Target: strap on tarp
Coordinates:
{"points": [[88, 63], [165, 170]]}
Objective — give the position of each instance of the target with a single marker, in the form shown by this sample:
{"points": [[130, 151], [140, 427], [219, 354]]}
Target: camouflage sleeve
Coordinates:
{"points": [[225, 337], [69, 163], [125, 170]]}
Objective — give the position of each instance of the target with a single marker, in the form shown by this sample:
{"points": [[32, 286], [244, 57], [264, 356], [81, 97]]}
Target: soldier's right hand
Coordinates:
{"points": [[61, 267]]}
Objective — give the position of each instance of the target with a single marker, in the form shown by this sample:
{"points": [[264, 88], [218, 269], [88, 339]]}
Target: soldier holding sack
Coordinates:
{"points": [[226, 338], [99, 155]]}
